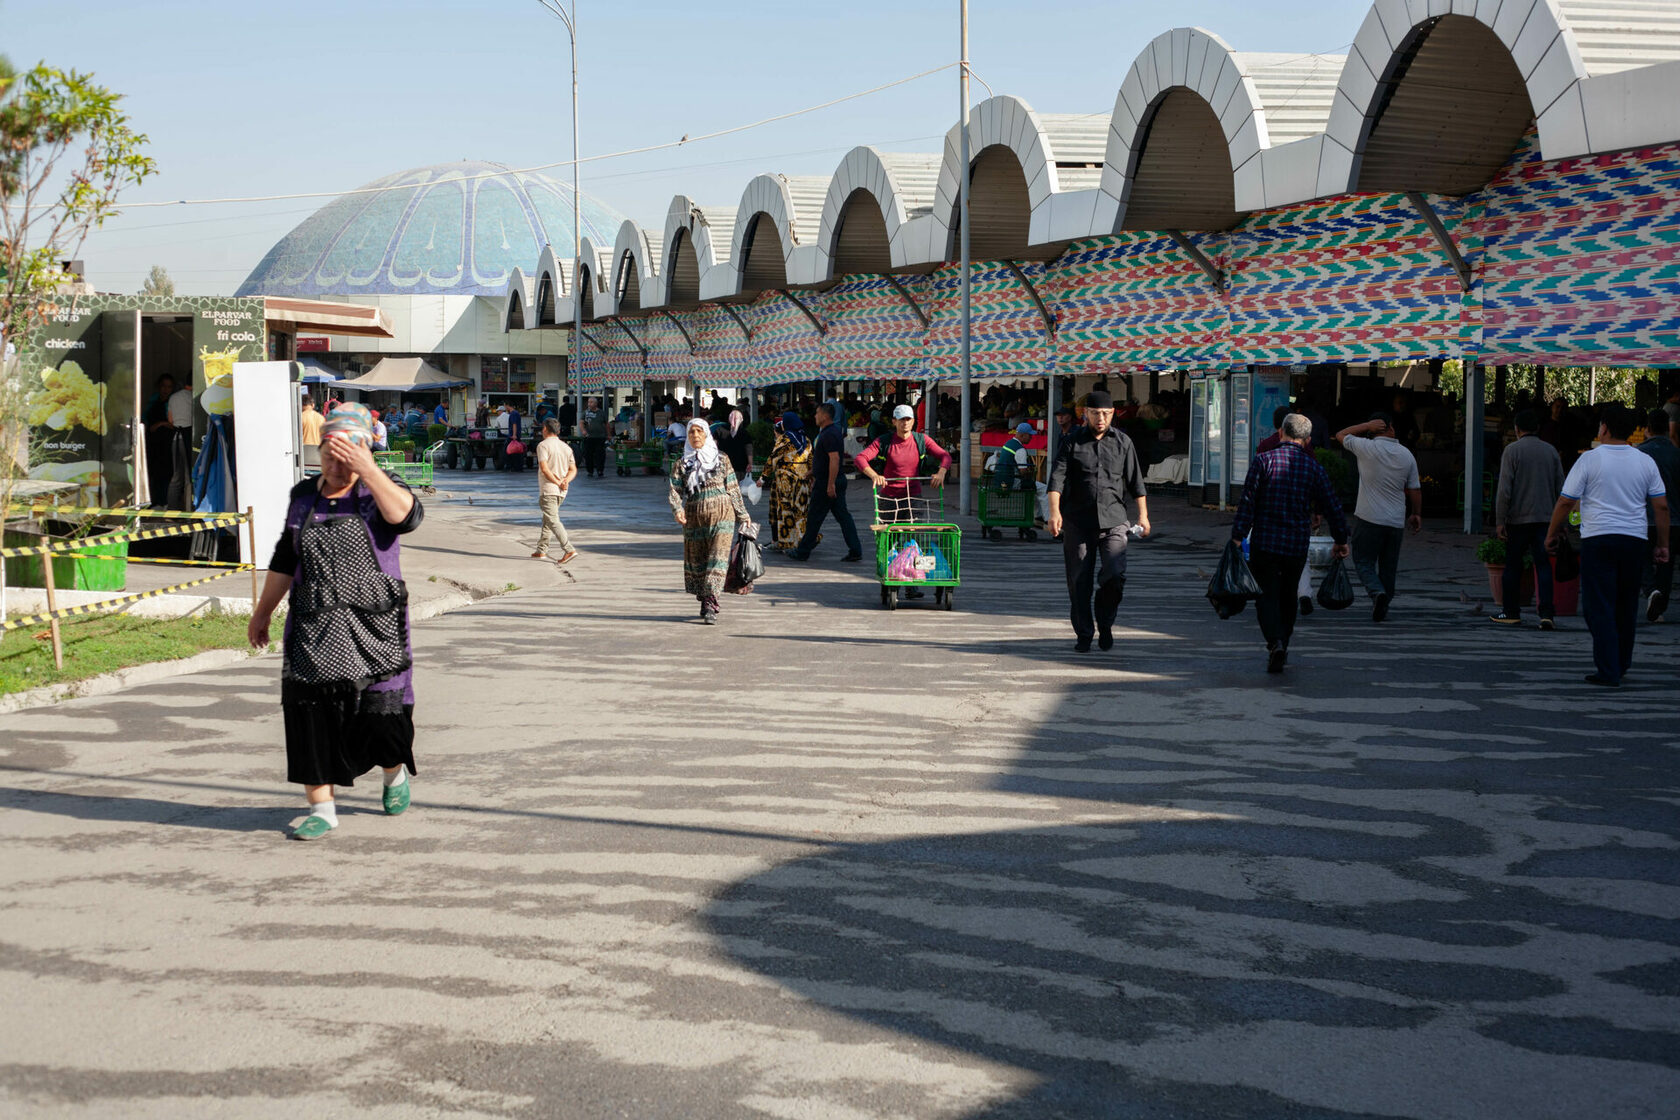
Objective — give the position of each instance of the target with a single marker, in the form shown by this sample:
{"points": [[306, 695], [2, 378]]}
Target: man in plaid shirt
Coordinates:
{"points": [[1283, 488]]}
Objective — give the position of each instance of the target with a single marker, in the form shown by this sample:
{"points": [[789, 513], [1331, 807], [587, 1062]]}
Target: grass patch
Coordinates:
{"points": [[106, 643]]}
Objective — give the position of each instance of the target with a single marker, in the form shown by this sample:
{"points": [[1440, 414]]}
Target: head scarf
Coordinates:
{"points": [[735, 420], [349, 421], [794, 429], [698, 462]]}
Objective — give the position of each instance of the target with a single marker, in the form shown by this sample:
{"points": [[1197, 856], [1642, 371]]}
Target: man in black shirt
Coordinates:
{"points": [[828, 488], [1096, 471]]}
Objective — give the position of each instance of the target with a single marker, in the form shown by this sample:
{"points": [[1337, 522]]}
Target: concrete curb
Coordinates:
{"points": [[153, 671]]}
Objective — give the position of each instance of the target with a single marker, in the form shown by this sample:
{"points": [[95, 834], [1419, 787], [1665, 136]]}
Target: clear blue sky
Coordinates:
{"points": [[256, 99]]}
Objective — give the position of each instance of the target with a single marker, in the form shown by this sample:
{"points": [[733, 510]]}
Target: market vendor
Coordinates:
{"points": [[346, 677]]}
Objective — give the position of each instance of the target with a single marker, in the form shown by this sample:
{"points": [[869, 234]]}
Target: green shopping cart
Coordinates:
{"points": [[915, 546], [1002, 509]]}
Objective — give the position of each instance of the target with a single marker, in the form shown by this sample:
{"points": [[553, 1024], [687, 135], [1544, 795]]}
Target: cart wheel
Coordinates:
{"points": [[995, 534], [950, 597], [1031, 534], [889, 598]]}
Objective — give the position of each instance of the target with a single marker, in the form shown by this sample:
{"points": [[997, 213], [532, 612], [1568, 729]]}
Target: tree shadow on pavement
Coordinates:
{"points": [[1325, 899]]}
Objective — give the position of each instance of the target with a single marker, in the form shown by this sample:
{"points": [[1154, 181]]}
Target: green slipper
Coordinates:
{"points": [[312, 828], [396, 798]]}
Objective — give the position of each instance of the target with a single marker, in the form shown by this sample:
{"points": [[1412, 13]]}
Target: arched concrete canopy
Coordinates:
{"points": [[898, 187], [999, 204], [697, 240], [587, 278], [1173, 72], [1010, 124], [1540, 50], [793, 206], [634, 284], [1180, 175], [862, 242], [513, 304]]}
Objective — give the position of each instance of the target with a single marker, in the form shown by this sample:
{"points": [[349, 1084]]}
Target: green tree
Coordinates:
{"points": [[158, 282], [66, 150]]}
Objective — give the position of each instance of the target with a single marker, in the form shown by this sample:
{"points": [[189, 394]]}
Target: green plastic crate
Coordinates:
{"points": [[93, 567]]}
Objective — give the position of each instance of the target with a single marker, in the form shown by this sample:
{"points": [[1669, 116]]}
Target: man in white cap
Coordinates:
{"points": [[894, 462]]}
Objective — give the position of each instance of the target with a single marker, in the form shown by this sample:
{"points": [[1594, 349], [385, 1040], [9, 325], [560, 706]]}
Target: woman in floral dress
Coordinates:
{"points": [[787, 476]]}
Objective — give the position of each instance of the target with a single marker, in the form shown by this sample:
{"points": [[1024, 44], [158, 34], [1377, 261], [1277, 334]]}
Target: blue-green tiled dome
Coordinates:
{"points": [[456, 228]]}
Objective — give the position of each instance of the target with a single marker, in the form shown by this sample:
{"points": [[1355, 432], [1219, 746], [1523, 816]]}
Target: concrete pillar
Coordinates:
{"points": [[1475, 396]]}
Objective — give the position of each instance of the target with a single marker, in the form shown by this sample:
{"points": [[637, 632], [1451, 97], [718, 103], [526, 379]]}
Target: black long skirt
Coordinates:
{"points": [[335, 739]]}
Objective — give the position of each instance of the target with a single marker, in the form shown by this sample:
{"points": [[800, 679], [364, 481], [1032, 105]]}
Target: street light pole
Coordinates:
{"points": [[574, 351], [965, 483]]}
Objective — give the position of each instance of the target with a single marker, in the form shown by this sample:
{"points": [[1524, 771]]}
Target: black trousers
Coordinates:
{"points": [[1376, 555], [1610, 569], [1529, 538], [595, 455], [1279, 578], [821, 506], [180, 475], [1096, 573]]}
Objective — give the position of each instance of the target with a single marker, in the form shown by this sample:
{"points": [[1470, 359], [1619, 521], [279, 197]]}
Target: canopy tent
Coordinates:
{"points": [[403, 375], [315, 371]]}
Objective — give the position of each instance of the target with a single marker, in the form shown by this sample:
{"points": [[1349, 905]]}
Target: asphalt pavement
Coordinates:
{"points": [[828, 861]]}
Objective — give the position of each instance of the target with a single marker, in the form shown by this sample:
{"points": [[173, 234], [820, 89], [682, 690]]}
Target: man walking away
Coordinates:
{"points": [[1530, 479], [1285, 485], [1666, 455], [595, 423], [1096, 471], [1611, 485], [828, 489], [555, 469], [1390, 502]]}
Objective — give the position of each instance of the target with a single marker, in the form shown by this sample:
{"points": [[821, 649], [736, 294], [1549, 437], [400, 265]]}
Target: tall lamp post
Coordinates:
{"points": [[965, 482], [575, 351]]}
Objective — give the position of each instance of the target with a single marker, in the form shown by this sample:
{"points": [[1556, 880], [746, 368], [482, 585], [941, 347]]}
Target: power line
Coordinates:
{"points": [[557, 163]]}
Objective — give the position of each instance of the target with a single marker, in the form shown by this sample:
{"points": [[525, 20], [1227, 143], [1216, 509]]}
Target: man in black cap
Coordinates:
{"points": [[1096, 471]]}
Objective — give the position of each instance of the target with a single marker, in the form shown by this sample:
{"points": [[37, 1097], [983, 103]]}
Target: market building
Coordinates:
{"points": [[432, 248], [1488, 182]]}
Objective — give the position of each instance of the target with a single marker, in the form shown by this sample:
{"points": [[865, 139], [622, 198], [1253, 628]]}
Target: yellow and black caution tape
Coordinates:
{"points": [[206, 521], [109, 604], [178, 563], [99, 511]]}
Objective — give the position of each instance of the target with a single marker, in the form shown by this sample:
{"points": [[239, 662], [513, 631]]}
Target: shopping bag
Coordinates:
{"points": [[1566, 562], [751, 490], [1232, 585], [751, 562], [1335, 593]]}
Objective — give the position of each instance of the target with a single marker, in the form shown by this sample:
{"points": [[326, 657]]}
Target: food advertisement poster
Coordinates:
{"points": [[67, 414]]}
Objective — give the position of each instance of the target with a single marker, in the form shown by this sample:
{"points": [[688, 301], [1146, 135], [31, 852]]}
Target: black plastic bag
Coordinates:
{"points": [[1566, 562], [746, 561], [1335, 593], [1232, 585]]}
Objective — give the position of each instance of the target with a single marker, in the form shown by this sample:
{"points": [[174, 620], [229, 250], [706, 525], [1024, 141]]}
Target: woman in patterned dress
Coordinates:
{"points": [[346, 674], [787, 476], [707, 503]]}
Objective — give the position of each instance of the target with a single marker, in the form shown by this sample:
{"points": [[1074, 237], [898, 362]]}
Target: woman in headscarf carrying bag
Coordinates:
{"points": [[346, 678], [787, 476], [707, 503]]}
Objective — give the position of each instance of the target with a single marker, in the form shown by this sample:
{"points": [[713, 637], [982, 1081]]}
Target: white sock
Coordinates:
{"points": [[326, 810], [396, 779]]}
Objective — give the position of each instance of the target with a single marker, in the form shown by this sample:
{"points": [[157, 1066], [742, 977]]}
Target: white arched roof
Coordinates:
{"points": [[632, 250], [903, 186], [709, 232], [794, 204], [1601, 76]]}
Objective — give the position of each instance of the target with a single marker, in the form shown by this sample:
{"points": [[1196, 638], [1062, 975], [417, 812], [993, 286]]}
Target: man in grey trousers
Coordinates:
{"points": [[1530, 480], [1390, 502]]}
